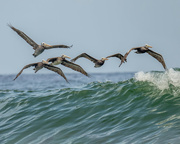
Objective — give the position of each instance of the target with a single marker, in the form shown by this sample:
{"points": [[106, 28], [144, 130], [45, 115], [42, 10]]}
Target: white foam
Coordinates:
{"points": [[161, 80]]}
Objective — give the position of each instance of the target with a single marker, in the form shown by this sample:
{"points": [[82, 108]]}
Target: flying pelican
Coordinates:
{"points": [[120, 56], [64, 62], [98, 63], [40, 65], [38, 48], [145, 49]]}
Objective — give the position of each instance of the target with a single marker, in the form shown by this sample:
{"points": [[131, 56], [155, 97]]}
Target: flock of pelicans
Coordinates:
{"points": [[49, 63]]}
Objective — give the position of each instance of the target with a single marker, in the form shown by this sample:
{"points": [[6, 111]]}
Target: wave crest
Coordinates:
{"points": [[161, 80]]}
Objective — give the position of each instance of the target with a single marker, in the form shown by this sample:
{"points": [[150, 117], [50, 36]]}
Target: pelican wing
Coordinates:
{"points": [[24, 36], [25, 67], [85, 56], [56, 70], [52, 59], [125, 56], [118, 55], [74, 67], [56, 46], [158, 57]]}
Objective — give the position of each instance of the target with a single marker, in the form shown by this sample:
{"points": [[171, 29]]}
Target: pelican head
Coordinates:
{"points": [[44, 61], [148, 46], [103, 59], [44, 44], [65, 56]]}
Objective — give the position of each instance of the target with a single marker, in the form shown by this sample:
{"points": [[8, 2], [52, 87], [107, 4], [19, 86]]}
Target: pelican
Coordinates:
{"points": [[145, 49], [40, 65], [98, 63], [64, 62], [120, 56], [38, 48]]}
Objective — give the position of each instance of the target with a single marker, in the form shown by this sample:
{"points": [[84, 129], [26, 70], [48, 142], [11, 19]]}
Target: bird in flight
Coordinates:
{"points": [[40, 65], [98, 63], [145, 49], [38, 48], [61, 60]]}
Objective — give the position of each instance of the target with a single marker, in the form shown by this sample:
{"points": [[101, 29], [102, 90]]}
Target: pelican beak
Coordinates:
{"points": [[105, 59], [149, 46], [44, 62], [45, 45], [65, 56]]}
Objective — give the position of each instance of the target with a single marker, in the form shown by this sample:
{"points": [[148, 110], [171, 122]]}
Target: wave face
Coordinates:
{"points": [[142, 107]]}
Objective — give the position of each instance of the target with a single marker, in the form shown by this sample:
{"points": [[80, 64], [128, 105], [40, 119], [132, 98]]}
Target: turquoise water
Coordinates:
{"points": [[142, 107]]}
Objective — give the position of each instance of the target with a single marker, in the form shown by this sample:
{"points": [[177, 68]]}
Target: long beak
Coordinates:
{"points": [[67, 57], [44, 44], [106, 58], [44, 62], [149, 46]]}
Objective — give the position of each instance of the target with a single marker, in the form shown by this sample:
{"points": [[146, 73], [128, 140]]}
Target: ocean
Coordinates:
{"points": [[107, 108]]}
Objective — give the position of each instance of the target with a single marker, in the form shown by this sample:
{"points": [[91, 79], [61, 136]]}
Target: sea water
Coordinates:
{"points": [[107, 108]]}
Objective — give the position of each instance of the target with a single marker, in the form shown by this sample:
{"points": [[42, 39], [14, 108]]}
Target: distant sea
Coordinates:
{"points": [[107, 108]]}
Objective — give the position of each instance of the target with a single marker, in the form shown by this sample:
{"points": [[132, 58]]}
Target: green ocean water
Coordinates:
{"points": [[138, 108]]}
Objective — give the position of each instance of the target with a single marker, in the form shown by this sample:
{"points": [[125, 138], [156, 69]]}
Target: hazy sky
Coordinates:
{"points": [[97, 27]]}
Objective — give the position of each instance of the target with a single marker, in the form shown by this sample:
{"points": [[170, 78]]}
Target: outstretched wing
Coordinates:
{"points": [[125, 56], [158, 57], [56, 70], [56, 46], [24, 36], [118, 55], [85, 56], [52, 59], [25, 67], [74, 67]]}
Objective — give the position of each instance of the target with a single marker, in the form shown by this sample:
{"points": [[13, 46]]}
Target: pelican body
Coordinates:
{"points": [[38, 48], [57, 60], [98, 63], [143, 49]]}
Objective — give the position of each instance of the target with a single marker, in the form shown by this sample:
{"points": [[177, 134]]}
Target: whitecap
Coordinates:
{"points": [[161, 80]]}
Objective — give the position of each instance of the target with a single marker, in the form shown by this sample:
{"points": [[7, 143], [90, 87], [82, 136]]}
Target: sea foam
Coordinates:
{"points": [[161, 80]]}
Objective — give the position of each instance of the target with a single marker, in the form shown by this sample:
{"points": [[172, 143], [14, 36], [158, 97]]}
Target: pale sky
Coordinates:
{"points": [[97, 27]]}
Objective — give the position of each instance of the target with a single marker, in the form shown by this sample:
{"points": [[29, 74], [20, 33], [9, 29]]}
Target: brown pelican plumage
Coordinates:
{"points": [[38, 48], [64, 62], [145, 49], [98, 63], [120, 56], [40, 65]]}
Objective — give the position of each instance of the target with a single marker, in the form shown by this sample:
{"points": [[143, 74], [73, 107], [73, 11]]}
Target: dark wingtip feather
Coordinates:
{"points": [[67, 81], [10, 25], [120, 64], [72, 60], [89, 76]]}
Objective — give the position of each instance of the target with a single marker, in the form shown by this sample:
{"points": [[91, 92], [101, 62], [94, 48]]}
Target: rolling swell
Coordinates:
{"points": [[137, 110]]}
